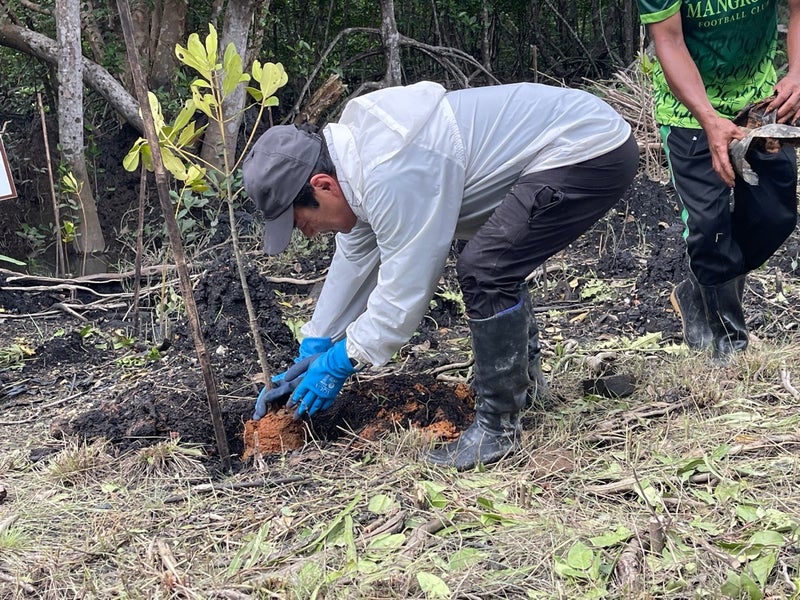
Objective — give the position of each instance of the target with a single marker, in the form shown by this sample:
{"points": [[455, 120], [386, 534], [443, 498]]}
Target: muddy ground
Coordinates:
{"points": [[86, 374]]}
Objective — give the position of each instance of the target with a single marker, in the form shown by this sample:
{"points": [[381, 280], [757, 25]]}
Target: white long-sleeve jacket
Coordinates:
{"points": [[419, 167]]}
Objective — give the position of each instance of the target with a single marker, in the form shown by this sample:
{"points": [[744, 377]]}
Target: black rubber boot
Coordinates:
{"points": [[687, 301], [499, 345], [537, 392], [723, 304]]}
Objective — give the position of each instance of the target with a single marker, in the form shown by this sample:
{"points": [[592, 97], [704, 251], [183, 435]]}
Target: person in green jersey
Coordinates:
{"points": [[715, 57]]}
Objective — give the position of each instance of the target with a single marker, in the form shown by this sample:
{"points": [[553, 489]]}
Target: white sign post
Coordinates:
{"points": [[7, 190]]}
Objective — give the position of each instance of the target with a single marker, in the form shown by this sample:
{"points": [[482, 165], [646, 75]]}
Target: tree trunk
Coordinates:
{"points": [[486, 37], [95, 76], [140, 17], [170, 31], [629, 44], [235, 29], [391, 45], [70, 121]]}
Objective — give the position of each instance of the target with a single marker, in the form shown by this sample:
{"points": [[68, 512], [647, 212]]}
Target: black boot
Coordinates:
{"points": [[687, 301], [537, 392], [723, 304], [499, 345]]}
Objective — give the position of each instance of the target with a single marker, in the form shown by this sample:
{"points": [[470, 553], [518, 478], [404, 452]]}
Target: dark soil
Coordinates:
{"points": [[90, 378]]}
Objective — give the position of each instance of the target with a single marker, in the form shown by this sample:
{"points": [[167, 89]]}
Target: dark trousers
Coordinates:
{"points": [[730, 232], [541, 215]]}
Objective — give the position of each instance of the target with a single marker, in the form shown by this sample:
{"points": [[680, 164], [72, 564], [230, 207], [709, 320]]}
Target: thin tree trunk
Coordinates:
{"points": [[70, 121], [391, 45], [486, 37], [235, 29], [170, 31]]}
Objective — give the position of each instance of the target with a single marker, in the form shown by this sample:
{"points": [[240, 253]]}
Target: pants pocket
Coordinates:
{"points": [[545, 199]]}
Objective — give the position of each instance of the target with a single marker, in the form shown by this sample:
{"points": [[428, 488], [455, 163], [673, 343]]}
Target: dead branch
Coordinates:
{"points": [[420, 534], [452, 367], [442, 54], [326, 96]]}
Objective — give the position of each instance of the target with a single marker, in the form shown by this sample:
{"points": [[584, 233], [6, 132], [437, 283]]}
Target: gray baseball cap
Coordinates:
{"points": [[274, 172]]}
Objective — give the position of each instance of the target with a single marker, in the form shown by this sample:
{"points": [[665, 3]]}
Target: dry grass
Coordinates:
{"points": [[686, 485]]}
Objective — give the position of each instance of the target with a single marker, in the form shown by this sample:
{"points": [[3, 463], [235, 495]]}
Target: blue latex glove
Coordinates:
{"points": [[322, 382], [280, 393], [309, 346]]}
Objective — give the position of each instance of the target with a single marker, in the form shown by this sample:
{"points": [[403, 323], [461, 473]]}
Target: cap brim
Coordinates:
{"points": [[278, 232]]}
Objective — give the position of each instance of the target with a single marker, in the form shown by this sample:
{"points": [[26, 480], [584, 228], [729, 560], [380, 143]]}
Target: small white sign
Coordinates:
{"points": [[7, 190]]}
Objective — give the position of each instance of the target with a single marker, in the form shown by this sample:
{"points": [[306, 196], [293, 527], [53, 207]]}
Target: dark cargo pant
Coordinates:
{"points": [[730, 233], [541, 215]]}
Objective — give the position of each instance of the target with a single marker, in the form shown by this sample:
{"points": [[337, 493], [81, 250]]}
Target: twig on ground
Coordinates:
{"points": [[393, 524], [452, 367], [421, 534], [295, 281], [786, 379]]}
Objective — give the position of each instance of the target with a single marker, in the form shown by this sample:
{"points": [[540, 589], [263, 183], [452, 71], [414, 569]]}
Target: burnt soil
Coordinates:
{"points": [[86, 374]]}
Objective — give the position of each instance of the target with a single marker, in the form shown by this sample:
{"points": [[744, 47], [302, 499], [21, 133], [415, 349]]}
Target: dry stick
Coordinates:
{"points": [[786, 379], [452, 367], [139, 244], [421, 533], [60, 261], [174, 234], [295, 281]]}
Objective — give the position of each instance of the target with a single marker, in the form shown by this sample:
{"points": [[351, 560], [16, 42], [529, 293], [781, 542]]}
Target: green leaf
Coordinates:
{"points": [[232, 67], [200, 103], [732, 585], [762, 567], [194, 56], [186, 114], [580, 556], [155, 108], [465, 558], [432, 585], [13, 261], [173, 164], [564, 570], [211, 46], [272, 77], [381, 504], [766, 538], [612, 538], [750, 588], [434, 493], [131, 160], [386, 541]]}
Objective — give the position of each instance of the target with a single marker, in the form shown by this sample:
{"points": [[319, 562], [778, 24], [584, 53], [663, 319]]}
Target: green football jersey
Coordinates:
{"points": [[732, 43]]}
